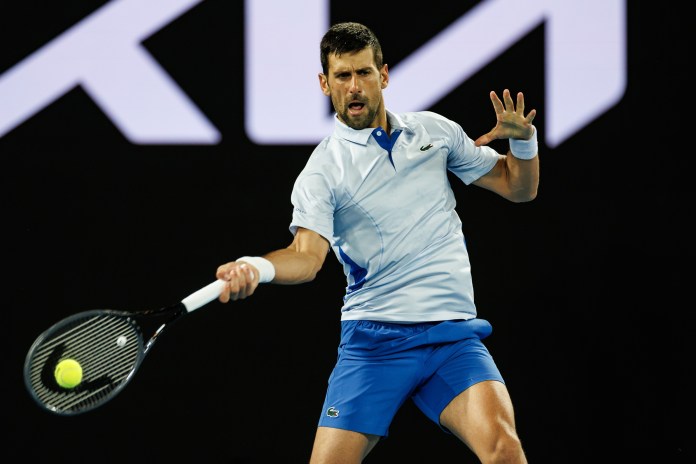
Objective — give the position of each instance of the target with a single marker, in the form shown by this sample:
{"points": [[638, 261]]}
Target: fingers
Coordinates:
{"points": [[510, 119], [509, 104], [241, 279], [483, 140], [520, 104], [530, 116], [497, 104]]}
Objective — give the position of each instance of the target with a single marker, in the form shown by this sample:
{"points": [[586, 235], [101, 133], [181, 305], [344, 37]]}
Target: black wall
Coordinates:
{"points": [[586, 287]]}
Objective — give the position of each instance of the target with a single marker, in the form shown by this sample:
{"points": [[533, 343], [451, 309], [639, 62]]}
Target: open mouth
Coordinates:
{"points": [[355, 107]]}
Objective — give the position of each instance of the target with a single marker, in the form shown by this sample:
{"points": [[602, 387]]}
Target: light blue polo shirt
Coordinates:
{"points": [[386, 207]]}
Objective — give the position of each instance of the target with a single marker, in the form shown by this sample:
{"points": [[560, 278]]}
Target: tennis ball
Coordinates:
{"points": [[68, 373]]}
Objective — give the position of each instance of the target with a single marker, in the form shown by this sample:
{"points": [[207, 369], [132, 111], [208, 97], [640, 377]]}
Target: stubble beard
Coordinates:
{"points": [[358, 122]]}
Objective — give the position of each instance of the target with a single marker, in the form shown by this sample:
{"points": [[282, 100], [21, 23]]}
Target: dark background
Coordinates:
{"points": [[587, 287]]}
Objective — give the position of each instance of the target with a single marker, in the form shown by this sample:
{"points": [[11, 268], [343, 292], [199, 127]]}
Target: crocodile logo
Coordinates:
{"points": [[426, 147], [332, 412]]}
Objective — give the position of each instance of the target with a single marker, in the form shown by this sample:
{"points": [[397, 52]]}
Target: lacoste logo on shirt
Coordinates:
{"points": [[332, 412], [426, 147]]}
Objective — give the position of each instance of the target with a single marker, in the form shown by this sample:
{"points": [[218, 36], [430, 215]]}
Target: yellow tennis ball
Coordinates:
{"points": [[68, 373]]}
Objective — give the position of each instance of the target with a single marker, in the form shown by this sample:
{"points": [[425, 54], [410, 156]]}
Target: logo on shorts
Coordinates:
{"points": [[426, 147], [332, 412]]}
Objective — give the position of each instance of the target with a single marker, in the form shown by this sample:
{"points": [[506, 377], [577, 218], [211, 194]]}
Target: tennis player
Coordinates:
{"points": [[376, 192]]}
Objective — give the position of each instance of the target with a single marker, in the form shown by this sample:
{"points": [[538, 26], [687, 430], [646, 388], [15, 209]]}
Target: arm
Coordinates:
{"points": [[298, 263], [512, 178]]}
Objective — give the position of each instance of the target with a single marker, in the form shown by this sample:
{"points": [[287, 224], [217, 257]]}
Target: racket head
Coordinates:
{"points": [[109, 346]]}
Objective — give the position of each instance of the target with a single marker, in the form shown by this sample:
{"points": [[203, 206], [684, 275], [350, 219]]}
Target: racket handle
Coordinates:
{"points": [[203, 296]]}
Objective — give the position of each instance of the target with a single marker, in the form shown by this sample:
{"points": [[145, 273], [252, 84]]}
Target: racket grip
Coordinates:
{"points": [[203, 296]]}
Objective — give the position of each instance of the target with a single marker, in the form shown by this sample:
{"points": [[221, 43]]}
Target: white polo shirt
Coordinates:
{"points": [[386, 207]]}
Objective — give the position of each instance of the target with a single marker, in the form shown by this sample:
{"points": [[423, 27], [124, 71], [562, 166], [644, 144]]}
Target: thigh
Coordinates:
{"points": [[372, 378], [364, 394], [341, 446], [481, 415], [456, 367]]}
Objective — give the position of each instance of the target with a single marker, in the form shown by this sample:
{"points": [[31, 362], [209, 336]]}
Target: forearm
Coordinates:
{"points": [[522, 168], [522, 178], [293, 266], [301, 260]]}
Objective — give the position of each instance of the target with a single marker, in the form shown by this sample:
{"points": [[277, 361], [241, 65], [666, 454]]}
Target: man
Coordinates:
{"points": [[376, 192]]}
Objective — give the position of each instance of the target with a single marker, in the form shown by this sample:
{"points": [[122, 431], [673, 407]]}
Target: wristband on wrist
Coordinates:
{"points": [[265, 267], [525, 149]]}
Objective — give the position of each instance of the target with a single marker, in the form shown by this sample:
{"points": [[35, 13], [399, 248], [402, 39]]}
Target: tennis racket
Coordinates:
{"points": [[109, 346]]}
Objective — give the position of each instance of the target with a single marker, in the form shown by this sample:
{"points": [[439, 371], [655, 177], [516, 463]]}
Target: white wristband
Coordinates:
{"points": [[525, 149], [265, 267]]}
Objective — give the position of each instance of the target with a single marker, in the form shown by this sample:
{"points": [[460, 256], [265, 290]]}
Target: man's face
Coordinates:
{"points": [[355, 86]]}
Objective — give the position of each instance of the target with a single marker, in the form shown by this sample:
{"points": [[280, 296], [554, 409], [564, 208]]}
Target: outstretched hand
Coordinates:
{"points": [[511, 123]]}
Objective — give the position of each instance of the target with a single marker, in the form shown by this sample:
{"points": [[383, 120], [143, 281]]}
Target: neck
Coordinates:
{"points": [[382, 121]]}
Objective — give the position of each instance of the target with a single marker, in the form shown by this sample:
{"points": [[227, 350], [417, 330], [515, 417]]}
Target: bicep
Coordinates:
{"points": [[310, 243], [495, 180]]}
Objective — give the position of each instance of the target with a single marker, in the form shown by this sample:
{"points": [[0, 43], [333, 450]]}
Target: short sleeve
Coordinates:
{"points": [[313, 204]]}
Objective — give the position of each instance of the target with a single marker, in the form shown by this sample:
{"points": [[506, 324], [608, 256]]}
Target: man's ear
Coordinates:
{"points": [[385, 76], [324, 84]]}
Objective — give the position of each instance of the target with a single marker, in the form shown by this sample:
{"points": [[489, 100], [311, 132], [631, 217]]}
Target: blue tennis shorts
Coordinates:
{"points": [[380, 365]]}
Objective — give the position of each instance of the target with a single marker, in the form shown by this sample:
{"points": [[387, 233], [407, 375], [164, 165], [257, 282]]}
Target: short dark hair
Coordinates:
{"points": [[349, 37]]}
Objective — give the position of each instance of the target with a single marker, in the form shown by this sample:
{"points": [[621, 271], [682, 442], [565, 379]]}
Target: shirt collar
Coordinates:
{"points": [[363, 135]]}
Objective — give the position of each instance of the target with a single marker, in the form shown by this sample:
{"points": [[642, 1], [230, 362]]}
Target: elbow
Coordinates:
{"points": [[529, 196], [521, 180], [523, 196], [315, 270], [310, 276], [311, 271]]}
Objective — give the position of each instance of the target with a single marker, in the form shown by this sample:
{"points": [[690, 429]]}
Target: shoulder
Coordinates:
{"points": [[324, 159], [424, 117], [326, 153], [433, 123]]}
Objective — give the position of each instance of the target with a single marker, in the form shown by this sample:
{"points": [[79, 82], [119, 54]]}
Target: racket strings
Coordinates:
{"points": [[107, 346]]}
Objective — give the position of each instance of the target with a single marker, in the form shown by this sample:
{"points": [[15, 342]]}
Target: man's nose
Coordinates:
{"points": [[354, 84]]}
